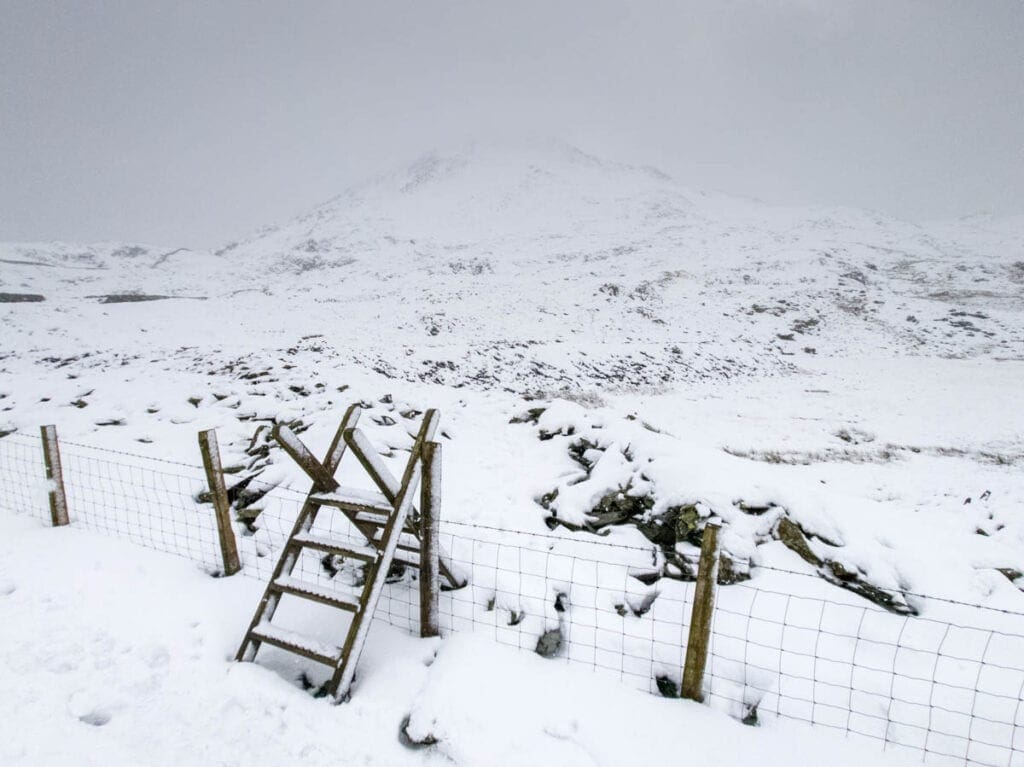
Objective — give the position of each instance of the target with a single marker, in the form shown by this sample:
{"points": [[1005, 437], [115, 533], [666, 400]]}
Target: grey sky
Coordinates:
{"points": [[190, 123]]}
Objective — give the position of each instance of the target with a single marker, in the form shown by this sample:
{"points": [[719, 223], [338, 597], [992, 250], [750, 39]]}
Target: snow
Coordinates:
{"points": [[355, 496], [480, 700], [585, 327], [100, 674]]}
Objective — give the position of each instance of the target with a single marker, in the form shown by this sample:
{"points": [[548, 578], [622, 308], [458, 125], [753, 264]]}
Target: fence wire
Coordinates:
{"points": [[947, 693]]}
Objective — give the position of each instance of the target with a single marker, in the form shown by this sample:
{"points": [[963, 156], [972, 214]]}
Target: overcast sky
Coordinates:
{"points": [[191, 123]]}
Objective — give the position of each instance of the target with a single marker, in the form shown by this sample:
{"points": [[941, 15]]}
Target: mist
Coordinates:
{"points": [[190, 123]]}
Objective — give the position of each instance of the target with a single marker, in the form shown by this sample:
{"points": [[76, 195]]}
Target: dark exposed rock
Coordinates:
{"points": [[549, 643], [546, 499], [667, 686], [21, 298], [792, 537], [578, 450], [730, 571], [329, 565], [647, 578], [561, 602], [642, 606], [750, 716], [1011, 574], [618, 507], [317, 690], [544, 436]]}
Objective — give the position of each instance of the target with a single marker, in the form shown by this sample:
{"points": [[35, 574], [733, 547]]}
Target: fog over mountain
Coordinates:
{"points": [[191, 123]]}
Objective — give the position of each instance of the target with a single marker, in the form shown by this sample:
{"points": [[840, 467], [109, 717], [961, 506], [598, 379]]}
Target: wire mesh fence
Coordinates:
{"points": [[949, 692], [944, 691], [23, 484]]}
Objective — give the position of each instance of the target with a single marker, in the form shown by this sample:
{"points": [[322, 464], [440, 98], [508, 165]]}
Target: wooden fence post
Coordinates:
{"points": [[430, 513], [700, 618], [54, 477], [219, 495]]}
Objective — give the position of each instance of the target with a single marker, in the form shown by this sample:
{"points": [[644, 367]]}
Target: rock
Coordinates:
{"points": [[837, 573], [688, 524], [648, 578], [578, 450], [750, 716], [617, 507], [1014, 576], [667, 686], [546, 499], [792, 537], [642, 606], [729, 572], [550, 643], [531, 416]]}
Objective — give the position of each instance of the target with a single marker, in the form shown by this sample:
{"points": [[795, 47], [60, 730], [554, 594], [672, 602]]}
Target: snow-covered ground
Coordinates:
{"points": [[98, 673], [617, 359]]}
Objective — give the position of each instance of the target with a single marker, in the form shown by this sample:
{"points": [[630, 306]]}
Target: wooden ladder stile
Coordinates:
{"points": [[389, 486], [381, 518], [290, 555]]}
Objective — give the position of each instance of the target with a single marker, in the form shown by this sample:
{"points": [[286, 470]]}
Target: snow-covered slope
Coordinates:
{"points": [[543, 268], [845, 370]]}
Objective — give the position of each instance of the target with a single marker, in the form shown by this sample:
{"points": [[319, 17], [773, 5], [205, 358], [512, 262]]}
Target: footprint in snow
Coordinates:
{"points": [[95, 718]]}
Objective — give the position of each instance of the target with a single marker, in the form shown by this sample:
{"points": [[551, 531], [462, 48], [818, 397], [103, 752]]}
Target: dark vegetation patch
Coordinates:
{"points": [[21, 298], [129, 298], [883, 454]]}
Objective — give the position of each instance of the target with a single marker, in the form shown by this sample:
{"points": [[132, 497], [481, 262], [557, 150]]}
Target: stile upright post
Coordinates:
{"points": [[430, 514], [700, 618], [218, 492], [54, 476]]}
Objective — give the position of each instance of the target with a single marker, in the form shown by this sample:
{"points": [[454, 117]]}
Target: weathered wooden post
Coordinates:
{"points": [[54, 477], [430, 513], [219, 495], [700, 618]]}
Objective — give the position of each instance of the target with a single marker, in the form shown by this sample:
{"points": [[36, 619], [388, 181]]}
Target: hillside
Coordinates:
{"points": [[542, 268], [589, 330]]}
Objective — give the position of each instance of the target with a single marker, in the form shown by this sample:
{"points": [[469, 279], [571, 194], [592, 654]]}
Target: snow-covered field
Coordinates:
{"points": [[97, 673], [617, 359]]}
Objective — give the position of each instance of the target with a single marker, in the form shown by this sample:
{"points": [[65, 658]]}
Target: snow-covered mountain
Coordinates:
{"points": [[539, 267]]}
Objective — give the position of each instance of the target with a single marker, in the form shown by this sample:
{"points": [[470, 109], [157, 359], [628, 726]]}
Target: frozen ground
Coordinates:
{"points": [[100, 674], [840, 388]]}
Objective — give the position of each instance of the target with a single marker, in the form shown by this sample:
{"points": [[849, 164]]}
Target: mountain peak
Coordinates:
{"points": [[482, 191], [488, 160]]}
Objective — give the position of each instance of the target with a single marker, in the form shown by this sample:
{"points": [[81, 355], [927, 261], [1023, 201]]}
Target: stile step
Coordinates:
{"points": [[411, 558], [297, 643], [321, 543], [355, 500], [296, 587], [378, 519]]}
